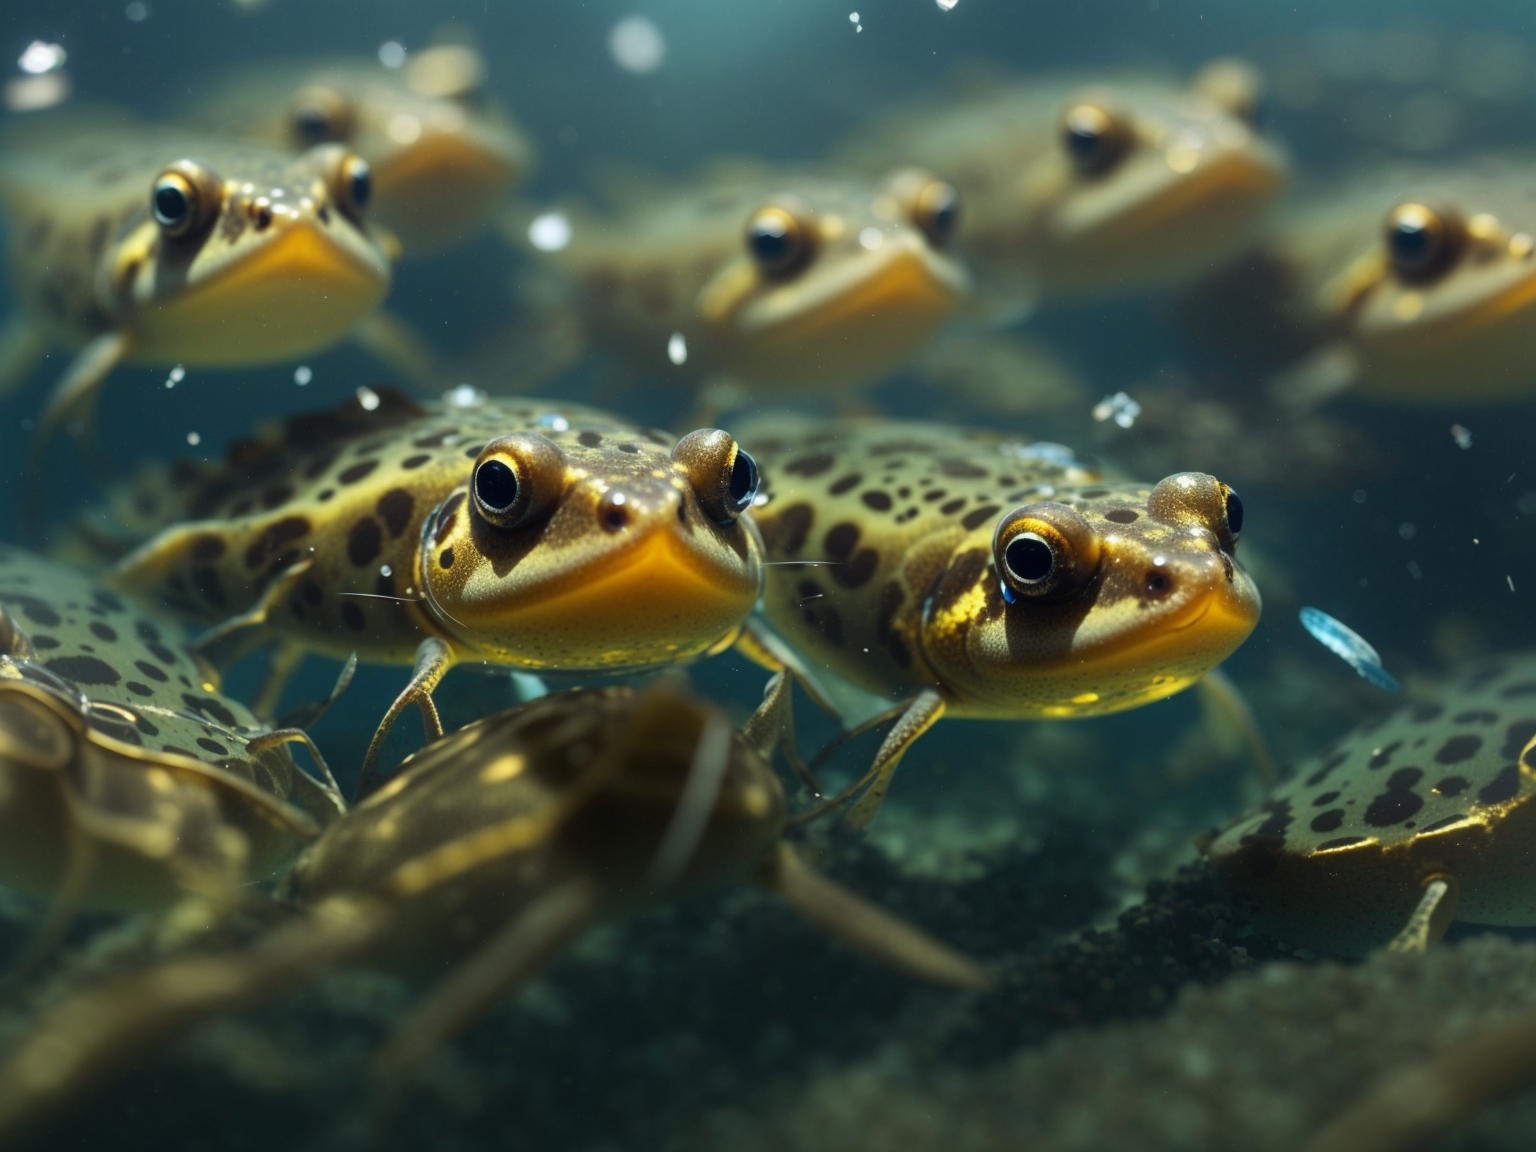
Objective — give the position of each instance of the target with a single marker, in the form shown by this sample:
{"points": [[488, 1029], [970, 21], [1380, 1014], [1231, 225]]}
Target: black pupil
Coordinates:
{"points": [[1234, 513], [1410, 239], [312, 125], [945, 213], [744, 481], [1029, 558], [170, 204], [362, 184], [495, 485], [769, 240], [1083, 141]]}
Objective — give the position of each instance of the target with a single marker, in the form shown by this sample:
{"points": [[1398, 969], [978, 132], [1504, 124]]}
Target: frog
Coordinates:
{"points": [[478, 863], [1412, 820], [444, 155], [966, 573], [136, 243], [531, 534], [1405, 284], [1090, 186], [129, 781], [775, 280]]}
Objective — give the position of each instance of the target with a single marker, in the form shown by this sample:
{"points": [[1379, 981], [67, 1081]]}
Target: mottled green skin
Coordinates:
{"points": [[1337, 856]]}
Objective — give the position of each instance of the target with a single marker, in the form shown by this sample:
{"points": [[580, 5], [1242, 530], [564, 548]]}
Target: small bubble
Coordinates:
{"points": [[1120, 408], [1462, 436], [637, 45], [194, 439], [1407, 530], [550, 232], [386, 570], [41, 57], [138, 11], [871, 238], [464, 396], [302, 375], [1359, 496], [553, 421], [367, 398], [391, 53], [677, 349], [1414, 570]]}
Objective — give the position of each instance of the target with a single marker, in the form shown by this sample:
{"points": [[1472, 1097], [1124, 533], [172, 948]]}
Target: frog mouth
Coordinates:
{"points": [[297, 293]]}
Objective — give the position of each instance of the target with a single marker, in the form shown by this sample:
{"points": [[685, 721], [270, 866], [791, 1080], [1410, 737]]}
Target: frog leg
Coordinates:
{"points": [[773, 723], [920, 715], [392, 341], [864, 926], [280, 736], [227, 642], [433, 659], [22, 348], [73, 396], [535, 937], [306, 715], [1432, 916]]}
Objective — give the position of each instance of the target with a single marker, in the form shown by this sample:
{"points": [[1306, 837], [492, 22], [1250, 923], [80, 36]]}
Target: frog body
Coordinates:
{"points": [[1339, 855]]}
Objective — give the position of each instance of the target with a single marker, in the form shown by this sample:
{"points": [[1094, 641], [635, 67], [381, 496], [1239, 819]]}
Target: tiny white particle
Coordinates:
{"points": [[946, 5], [138, 11], [554, 421], [1462, 436], [637, 45], [386, 570], [368, 398], [194, 439], [550, 232], [178, 373], [302, 375], [391, 54], [677, 348], [464, 396], [41, 57], [871, 238], [618, 499]]}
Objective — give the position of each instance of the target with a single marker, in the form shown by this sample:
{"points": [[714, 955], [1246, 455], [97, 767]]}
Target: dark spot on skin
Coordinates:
{"points": [[357, 471], [1516, 737], [786, 532], [108, 601], [858, 571], [353, 615], [1094, 493], [273, 537], [953, 506], [43, 643], [151, 670], [810, 465], [311, 592], [207, 548], [1504, 786], [1277, 820], [145, 726], [1394, 805], [1524, 688], [276, 496], [1451, 786], [211, 708], [162, 653], [325, 494], [445, 561], [1384, 757], [37, 611], [936, 494], [395, 508], [826, 620], [631, 449], [411, 462], [1405, 778], [954, 466], [364, 541], [1326, 767], [1325, 799], [886, 606], [436, 440], [845, 483], [841, 539], [446, 518], [1122, 515], [587, 439], [213, 746], [139, 689], [877, 500], [979, 516], [1341, 842], [1457, 749], [1328, 821], [263, 218], [1445, 822], [83, 669], [474, 450], [319, 466], [1476, 717], [959, 578], [103, 632], [1423, 713]]}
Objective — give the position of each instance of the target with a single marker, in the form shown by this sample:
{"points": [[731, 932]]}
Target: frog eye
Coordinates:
{"points": [[779, 241], [320, 115], [937, 212], [185, 198], [1095, 138], [518, 479], [1196, 500], [723, 476], [347, 177], [1044, 551], [1421, 242]]}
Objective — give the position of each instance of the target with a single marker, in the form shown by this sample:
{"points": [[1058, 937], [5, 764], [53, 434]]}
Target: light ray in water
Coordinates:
{"points": [[1349, 646]]}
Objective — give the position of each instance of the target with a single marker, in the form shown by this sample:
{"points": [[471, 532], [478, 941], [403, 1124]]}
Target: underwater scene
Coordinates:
{"points": [[938, 575]]}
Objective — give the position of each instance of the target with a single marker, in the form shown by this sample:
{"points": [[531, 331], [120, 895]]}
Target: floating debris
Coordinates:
{"points": [[550, 232], [677, 349], [177, 375], [392, 54], [1349, 646], [637, 45], [853, 18], [302, 375], [368, 398], [1120, 408], [1462, 436]]}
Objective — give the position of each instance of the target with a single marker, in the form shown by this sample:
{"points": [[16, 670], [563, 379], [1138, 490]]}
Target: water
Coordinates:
{"points": [[1136, 1003]]}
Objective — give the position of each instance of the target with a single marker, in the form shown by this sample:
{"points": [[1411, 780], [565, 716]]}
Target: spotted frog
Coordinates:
{"points": [[126, 776], [786, 280], [966, 574], [443, 155], [1437, 794], [528, 533], [1075, 186], [144, 245], [1409, 285]]}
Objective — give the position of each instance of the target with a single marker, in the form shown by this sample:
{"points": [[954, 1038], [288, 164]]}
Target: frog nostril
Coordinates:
{"points": [[1158, 583], [613, 511]]}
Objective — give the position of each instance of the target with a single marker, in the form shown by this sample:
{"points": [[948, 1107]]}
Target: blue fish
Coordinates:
{"points": [[1349, 646]]}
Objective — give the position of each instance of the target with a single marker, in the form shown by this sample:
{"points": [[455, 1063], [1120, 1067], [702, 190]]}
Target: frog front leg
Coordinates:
{"points": [[433, 659]]}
